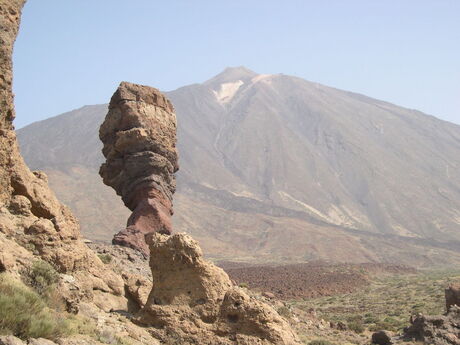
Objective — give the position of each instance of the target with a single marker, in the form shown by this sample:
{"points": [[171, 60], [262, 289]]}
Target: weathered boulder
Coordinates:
{"points": [[139, 137], [452, 294], [194, 302]]}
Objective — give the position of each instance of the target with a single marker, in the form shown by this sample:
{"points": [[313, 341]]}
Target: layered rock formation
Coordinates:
{"points": [[194, 302], [191, 301], [33, 223], [139, 137]]}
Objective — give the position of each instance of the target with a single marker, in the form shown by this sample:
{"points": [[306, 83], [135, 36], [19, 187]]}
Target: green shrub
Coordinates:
{"points": [[284, 311], [41, 276], [356, 326], [105, 258], [24, 313], [320, 342], [244, 285]]}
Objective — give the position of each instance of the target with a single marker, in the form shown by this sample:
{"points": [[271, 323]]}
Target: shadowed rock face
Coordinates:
{"points": [[139, 137]]}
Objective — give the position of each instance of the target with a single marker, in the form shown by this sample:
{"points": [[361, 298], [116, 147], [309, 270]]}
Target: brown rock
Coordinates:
{"points": [[382, 338], [139, 137], [268, 295], [32, 221], [452, 294], [194, 302], [437, 330], [138, 288]]}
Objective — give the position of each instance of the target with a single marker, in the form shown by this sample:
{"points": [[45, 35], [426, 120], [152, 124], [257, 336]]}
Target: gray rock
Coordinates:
{"points": [[10, 340], [41, 341]]}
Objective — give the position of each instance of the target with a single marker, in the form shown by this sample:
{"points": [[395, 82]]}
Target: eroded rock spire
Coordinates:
{"points": [[139, 137]]}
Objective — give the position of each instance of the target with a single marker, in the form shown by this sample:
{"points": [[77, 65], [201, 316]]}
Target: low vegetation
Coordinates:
{"points": [[32, 309], [41, 276], [320, 342], [105, 258], [386, 303], [25, 314]]}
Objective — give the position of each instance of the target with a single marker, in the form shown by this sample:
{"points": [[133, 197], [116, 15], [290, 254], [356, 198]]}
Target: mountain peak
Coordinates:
{"points": [[231, 74]]}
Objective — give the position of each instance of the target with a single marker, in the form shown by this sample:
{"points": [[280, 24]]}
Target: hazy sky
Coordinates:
{"points": [[75, 52]]}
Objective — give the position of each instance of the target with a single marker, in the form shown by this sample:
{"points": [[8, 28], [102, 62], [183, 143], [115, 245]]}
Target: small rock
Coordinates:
{"points": [[10, 340], [382, 338], [41, 341], [268, 295], [67, 278], [339, 325], [452, 294], [19, 204]]}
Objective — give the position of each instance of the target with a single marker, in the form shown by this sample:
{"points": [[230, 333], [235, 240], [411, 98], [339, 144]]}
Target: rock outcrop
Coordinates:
{"points": [[33, 223], [194, 302], [436, 330], [139, 137], [382, 338], [452, 294]]}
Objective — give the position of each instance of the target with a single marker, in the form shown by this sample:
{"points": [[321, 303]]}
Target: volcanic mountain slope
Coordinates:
{"points": [[278, 168]]}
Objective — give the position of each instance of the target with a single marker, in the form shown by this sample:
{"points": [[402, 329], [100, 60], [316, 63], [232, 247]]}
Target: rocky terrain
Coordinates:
{"points": [[53, 286], [439, 329], [311, 279], [57, 288], [32, 220], [278, 169]]}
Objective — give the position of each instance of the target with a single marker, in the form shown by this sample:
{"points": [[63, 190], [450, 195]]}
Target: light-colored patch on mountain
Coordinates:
{"points": [[335, 215], [266, 78], [245, 194], [402, 231], [456, 218], [344, 216], [307, 207], [227, 91]]}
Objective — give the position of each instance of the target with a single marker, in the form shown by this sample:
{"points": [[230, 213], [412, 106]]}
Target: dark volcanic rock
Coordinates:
{"points": [[437, 330], [139, 137], [452, 296], [382, 338]]}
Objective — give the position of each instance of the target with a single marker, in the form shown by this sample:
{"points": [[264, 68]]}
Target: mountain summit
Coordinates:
{"points": [[231, 74], [278, 168]]}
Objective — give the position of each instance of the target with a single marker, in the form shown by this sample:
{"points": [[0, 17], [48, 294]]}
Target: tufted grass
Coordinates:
{"points": [[24, 313]]}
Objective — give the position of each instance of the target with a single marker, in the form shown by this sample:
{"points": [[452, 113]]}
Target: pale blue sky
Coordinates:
{"points": [[75, 52]]}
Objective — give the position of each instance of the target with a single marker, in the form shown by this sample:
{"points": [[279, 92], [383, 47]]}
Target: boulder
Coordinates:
{"points": [[452, 294], [194, 302], [382, 338]]}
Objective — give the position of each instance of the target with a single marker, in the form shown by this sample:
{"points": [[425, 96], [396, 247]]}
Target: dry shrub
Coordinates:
{"points": [[24, 313]]}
